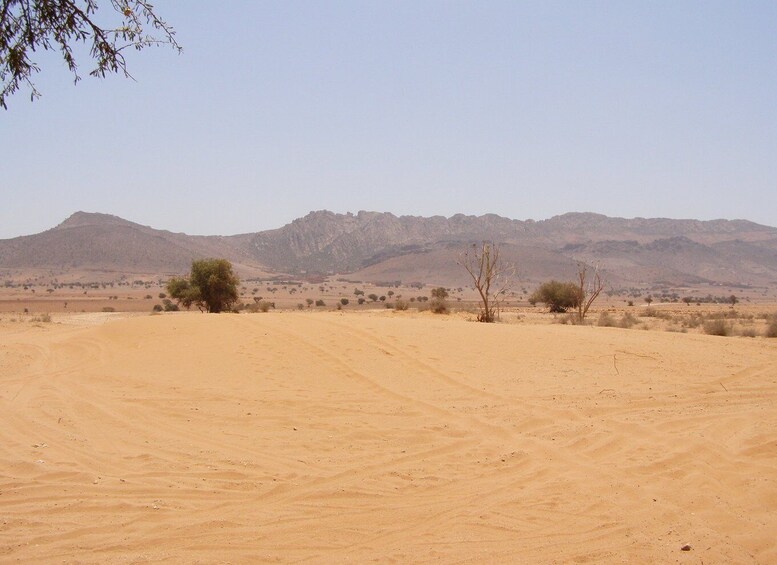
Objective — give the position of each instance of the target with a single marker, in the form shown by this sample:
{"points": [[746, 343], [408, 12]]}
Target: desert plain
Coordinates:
{"points": [[382, 436]]}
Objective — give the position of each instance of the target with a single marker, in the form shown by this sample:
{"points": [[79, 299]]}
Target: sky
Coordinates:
{"points": [[522, 109]]}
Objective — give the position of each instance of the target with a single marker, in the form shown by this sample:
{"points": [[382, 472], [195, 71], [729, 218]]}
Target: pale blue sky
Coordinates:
{"points": [[524, 109]]}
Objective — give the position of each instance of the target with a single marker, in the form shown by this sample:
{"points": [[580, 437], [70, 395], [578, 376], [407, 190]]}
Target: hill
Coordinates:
{"points": [[373, 246]]}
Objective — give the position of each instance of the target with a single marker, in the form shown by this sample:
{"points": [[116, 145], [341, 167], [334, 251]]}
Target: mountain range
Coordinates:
{"points": [[376, 246]]}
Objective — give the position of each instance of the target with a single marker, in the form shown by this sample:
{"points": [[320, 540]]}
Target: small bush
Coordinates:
{"points": [[567, 319], [300, 306], [627, 320], [771, 329], [717, 327], [157, 308], [748, 332], [109, 309], [320, 302], [263, 306], [438, 306], [344, 301], [169, 305], [361, 300], [400, 304], [605, 320]]}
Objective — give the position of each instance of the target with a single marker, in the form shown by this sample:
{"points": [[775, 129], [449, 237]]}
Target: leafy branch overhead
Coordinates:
{"points": [[27, 26]]}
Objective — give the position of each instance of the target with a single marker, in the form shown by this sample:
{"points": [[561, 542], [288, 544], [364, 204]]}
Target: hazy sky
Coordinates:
{"points": [[524, 109]]}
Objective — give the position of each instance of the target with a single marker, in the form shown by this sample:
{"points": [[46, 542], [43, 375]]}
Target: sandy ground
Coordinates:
{"points": [[382, 437]]}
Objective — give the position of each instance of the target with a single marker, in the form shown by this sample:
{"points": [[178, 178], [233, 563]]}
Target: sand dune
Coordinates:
{"points": [[383, 437]]}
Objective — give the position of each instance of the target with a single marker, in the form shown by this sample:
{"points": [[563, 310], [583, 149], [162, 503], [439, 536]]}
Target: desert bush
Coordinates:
{"points": [[45, 318], [748, 332], [630, 303], [566, 319], [557, 296], [650, 312], [771, 329], [605, 320], [169, 305], [400, 305], [438, 306], [344, 301], [361, 300], [320, 302], [717, 327], [263, 306], [724, 315], [309, 302], [627, 320], [109, 309], [212, 286], [157, 308]]}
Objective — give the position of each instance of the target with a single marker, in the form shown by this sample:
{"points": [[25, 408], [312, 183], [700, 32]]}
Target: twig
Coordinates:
{"points": [[614, 364], [724, 387]]}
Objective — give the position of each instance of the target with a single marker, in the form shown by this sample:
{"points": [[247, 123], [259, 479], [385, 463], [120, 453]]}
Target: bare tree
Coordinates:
{"points": [[588, 289], [490, 276]]}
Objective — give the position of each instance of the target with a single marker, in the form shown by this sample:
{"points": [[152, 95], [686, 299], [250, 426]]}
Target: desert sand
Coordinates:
{"points": [[384, 437]]}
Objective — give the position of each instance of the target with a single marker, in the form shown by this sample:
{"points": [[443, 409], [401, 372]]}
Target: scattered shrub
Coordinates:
{"points": [[570, 319], [300, 306], [157, 308], [771, 329], [400, 305], [320, 302], [361, 300], [717, 327], [627, 320], [438, 306], [605, 320], [344, 301], [109, 309], [748, 332]]}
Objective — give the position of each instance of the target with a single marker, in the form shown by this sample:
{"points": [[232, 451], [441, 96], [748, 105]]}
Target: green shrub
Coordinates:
{"points": [[557, 296]]}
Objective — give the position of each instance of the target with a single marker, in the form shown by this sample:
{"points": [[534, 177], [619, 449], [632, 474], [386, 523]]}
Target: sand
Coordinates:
{"points": [[382, 437]]}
